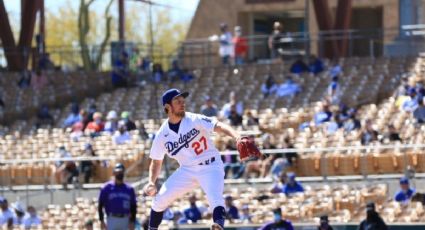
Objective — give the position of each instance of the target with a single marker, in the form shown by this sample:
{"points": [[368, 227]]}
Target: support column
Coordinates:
{"points": [[342, 22], [121, 24]]}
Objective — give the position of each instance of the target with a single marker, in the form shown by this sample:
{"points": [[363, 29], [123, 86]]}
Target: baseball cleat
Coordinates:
{"points": [[216, 226]]}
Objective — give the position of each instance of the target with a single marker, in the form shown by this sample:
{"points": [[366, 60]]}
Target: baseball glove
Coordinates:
{"points": [[247, 149]]}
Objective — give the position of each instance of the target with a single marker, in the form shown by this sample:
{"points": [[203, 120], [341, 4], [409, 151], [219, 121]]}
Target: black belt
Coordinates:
{"points": [[118, 215], [207, 162]]}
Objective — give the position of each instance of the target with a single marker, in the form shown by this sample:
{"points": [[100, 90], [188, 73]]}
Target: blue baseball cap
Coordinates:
{"points": [[170, 94], [404, 180]]}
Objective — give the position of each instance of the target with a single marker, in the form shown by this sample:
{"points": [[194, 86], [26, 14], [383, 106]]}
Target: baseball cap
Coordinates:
{"points": [[277, 211], [125, 114], [18, 207], [2, 199], [370, 206], [170, 94], [324, 219], [119, 167], [404, 180]]}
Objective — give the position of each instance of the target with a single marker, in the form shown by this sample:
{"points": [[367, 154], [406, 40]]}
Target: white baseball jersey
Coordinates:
{"points": [[191, 145]]}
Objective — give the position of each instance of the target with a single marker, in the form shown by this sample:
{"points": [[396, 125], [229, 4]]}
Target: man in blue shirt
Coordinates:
{"points": [[292, 186], [232, 212], [118, 199], [193, 213], [279, 223], [405, 192]]}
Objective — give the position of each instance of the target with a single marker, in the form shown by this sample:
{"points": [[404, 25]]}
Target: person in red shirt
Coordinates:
{"points": [[97, 125], [241, 46]]}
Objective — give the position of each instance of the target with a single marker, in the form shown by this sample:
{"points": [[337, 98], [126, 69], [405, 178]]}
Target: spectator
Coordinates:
{"points": [[25, 80], [175, 72], [288, 88], [91, 110], [234, 118], [129, 124], [324, 223], [245, 217], [232, 212], [352, 123], [18, 219], [225, 111], [66, 170], [118, 200], [392, 135], [269, 87], [316, 65], [87, 167], [369, 133], [193, 213], [323, 115], [73, 117], [333, 125], [405, 192], [226, 49], [157, 73], [278, 223], [178, 218], [187, 76], [250, 119], [262, 165], [280, 164], [209, 109], [275, 41], [144, 135], [373, 220], [32, 220], [299, 66], [241, 46], [44, 117], [334, 91], [45, 63], [111, 124], [39, 80], [411, 103], [335, 70], [120, 72], [292, 186], [6, 214], [96, 126], [121, 136], [232, 163], [419, 112]]}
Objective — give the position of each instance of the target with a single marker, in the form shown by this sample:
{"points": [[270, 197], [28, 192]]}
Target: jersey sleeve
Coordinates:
{"points": [[207, 123], [158, 149]]}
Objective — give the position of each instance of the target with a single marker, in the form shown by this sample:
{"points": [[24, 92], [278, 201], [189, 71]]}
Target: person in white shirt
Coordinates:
{"points": [[6, 214], [226, 49], [31, 219], [226, 110], [121, 136], [18, 218]]}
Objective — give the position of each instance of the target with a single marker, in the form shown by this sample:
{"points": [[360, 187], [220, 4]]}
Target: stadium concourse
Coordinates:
{"points": [[370, 86]]}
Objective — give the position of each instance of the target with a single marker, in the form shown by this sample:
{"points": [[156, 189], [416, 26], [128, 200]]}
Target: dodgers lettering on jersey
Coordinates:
{"points": [[190, 145]]}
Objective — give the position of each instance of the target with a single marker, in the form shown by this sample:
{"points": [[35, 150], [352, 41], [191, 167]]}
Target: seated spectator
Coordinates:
{"points": [[209, 109], [18, 219], [187, 76], [288, 88], [299, 66], [250, 119], [269, 87], [245, 217], [6, 214], [334, 91], [316, 65], [73, 117], [369, 133], [352, 123], [96, 126], [292, 186], [261, 167], [77, 131], [111, 124], [373, 219], [32, 220], [178, 218], [278, 222], [405, 192], [411, 103], [323, 115], [144, 135], [281, 164], [129, 124], [231, 162], [232, 212], [44, 117], [225, 111], [25, 80], [66, 170], [391, 135], [157, 73], [175, 72], [39, 80], [87, 167], [280, 181], [324, 223], [45, 63], [121, 136], [335, 69], [120, 71], [234, 118], [193, 213], [343, 114], [333, 125], [419, 112]]}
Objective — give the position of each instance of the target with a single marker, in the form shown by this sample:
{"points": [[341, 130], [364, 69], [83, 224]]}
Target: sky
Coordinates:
{"points": [[181, 10]]}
